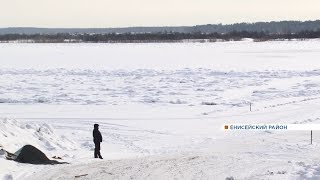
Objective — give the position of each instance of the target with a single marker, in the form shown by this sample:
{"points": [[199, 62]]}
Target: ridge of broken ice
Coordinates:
{"points": [[175, 87]]}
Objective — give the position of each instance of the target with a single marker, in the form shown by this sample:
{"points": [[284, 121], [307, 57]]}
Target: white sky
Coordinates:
{"points": [[123, 13]]}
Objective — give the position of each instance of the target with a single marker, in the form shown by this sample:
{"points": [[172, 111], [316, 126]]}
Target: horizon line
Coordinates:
{"points": [[142, 26]]}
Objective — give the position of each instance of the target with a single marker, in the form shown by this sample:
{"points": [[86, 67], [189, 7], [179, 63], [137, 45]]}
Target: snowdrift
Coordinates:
{"points": [[14, 135]]}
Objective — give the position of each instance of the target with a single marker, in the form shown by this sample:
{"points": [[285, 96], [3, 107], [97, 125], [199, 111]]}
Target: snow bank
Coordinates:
{"points": [[14, 135]]}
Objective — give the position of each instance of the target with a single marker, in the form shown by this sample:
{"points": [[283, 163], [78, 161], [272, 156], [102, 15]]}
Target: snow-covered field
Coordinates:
{"points": [[161, 109]]}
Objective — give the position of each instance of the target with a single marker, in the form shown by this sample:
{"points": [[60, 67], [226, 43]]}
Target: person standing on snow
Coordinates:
{"points": [[97, 139]]}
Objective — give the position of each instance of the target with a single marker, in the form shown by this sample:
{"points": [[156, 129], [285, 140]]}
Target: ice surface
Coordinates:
{"points": [[222, 56], [154, 87]]}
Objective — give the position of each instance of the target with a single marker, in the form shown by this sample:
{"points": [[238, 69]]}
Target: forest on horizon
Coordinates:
{"points": [[259, 31]]}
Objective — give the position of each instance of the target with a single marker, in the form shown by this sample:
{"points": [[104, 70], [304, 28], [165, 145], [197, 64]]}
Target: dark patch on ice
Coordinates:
{"points": [[193, 158], [230, 178], [209, 103]]}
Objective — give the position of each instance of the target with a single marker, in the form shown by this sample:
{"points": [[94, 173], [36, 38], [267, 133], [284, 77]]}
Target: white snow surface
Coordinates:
{"points": [[161, 109], [222, 56]]}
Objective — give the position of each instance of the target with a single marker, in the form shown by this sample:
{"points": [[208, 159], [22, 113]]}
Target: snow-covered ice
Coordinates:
{"points": [[161, 109], [222, 56]]}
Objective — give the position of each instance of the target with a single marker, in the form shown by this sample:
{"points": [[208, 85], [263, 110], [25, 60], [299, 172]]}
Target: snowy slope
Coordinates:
{"points": [[197, 147], [15, 135]]}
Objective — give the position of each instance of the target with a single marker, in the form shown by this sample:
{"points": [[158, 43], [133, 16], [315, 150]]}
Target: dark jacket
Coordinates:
{"points": [[97, 138]]}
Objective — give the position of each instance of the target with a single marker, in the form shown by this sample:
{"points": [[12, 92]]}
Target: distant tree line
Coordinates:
{"points": [[273, 27], [156, 37]]}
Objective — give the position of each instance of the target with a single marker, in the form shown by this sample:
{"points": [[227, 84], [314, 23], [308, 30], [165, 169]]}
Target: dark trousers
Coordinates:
{"points": [[97, 150]]}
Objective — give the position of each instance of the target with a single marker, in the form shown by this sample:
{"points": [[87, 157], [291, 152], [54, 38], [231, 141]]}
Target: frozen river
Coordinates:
{"points": [[223, 56], [161, 109]]}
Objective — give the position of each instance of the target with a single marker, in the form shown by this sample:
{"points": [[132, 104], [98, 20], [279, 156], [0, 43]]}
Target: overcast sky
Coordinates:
{"points": [[123, 13]]}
